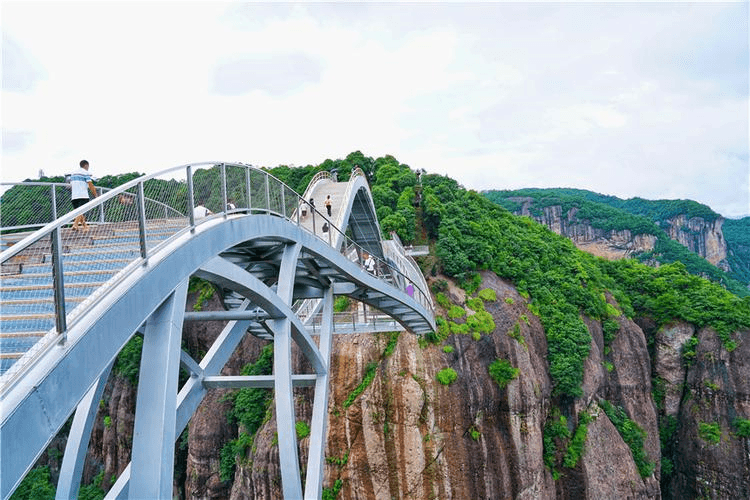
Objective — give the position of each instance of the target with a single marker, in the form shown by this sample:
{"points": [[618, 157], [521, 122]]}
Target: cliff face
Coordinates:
{"points": [[409, 436], [608, 244], [702, 237], [696, 234]]}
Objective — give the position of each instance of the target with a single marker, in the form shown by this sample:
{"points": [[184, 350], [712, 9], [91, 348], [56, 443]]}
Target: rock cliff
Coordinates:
{"points": [[409, 436], [698, 235]]}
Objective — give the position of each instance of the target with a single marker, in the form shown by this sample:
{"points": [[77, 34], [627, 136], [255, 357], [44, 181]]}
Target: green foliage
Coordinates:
{"points": [[481, 322], [35, 486], [610, 328], [370, 371], [709, 432], [94, 490], [332, 493], [743, 427], [689, 350], [447, 349], [128, 362], [515, 333], [475, 304], [203, 288], [632, 434], [341, 303], [463, 328], [488, 295], [555, 431], [230, 452], [474, 433], [576, 446], [456, 312], [447, 376], [107, 421], [303, 430], [443, 301], [502, 372], [737, 235], [509, 300], [667, 466], [391, 345]]}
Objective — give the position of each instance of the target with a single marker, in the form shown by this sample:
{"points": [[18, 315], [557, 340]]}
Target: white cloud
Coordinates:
{"points": [[628, 99]]}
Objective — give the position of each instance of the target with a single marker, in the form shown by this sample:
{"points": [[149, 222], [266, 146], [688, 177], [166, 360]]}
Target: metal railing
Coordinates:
{"points": [[134, 220]]}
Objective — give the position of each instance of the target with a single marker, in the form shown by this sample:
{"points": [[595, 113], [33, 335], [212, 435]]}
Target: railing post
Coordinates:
{"points": [[247, 182], [191, 215], [283, 201], [58, 285], [224, 188], [268, 196], [142, 220], [54, 202], [101, 209]]}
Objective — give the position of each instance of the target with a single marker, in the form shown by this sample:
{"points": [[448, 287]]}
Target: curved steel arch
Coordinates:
{"points": [[75, 372]]}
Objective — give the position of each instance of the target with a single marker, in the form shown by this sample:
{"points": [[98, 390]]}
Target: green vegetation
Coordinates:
{"points": [[632, 434], [341, 303], [515, 333], [502, 372], [488, 295], [35, 486], [107, 421], [576, 446], [332, 493], [555, 431], [641, 216], [456, 312], [249, 410], [743, 427], [303, 430], [474, 433], [370, 371], [203, 288], [446, 376], [689, 350], [447, 349], [128, 362], [475, 304], [481, 322], [94, 490], [709, 432], [442, 300]]}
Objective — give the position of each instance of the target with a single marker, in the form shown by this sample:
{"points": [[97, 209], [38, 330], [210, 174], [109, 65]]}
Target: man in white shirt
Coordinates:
{"points": [[80, 180], [201, 211]]}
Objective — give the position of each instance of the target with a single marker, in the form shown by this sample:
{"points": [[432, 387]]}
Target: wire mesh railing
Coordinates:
{"points": [[52, 275]]}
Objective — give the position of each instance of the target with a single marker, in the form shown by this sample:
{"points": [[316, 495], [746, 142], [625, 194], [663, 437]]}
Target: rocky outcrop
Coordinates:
{"points": [[701, 237], [607, 244], [713, 390], [408, 436]]}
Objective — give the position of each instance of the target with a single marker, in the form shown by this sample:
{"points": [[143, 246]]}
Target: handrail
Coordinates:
{"points": [[53, 229], [65, 185]]}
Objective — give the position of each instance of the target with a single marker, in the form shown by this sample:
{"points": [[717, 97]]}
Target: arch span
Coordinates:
{"points": [[266, 255]]}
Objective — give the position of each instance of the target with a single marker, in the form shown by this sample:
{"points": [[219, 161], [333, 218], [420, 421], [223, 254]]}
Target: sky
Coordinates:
{"points": [[625, 99]]}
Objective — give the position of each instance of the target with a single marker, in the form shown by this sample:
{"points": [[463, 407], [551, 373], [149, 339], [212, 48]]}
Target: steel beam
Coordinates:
{"points": [[156, 405]]}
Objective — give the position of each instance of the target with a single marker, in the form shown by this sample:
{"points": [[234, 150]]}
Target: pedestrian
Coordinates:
{"points": [[230, 205], [201, 211], [370, 264], [328, 204], [80, 180]]}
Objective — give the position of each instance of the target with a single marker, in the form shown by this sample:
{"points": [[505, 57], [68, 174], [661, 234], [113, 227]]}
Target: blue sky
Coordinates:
{"points": [[628, 99]]}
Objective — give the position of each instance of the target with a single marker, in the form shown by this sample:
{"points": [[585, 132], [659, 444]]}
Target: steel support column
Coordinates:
{"points": [[77, 445], [156, 404], [283, 389], [319, 421]]}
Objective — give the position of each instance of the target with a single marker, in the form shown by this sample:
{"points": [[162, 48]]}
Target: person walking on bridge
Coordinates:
{"points": [[328, 204], [80, 180]]}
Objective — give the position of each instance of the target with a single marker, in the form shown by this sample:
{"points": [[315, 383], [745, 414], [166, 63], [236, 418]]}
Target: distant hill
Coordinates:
{"points": [[655, 231]]}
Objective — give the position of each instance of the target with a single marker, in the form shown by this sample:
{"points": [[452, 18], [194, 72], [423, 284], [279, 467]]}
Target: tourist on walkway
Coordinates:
{"points": [[201, 211], [80, 180], [370, 264], [328, 204]]}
